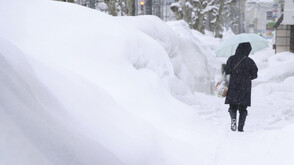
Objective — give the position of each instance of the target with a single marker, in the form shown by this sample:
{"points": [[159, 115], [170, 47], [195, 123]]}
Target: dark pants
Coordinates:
{"points": [[242, 117]]}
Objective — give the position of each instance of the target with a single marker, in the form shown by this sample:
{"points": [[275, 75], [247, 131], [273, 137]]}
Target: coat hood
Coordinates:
{"points": [[243, 49]]}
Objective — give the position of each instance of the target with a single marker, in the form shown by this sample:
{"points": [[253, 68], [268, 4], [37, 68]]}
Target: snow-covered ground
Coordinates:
{"points": [[80, 87]]}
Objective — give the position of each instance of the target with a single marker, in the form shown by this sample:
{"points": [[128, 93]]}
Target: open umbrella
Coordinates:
{"points": [[228, 46]]}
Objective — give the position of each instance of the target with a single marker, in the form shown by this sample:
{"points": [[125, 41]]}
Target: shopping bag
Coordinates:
{"points": [[221, 88]]}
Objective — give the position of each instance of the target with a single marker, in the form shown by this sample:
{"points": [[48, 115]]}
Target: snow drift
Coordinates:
{"points": [[80, 88], [36, 128], [186, 55]]}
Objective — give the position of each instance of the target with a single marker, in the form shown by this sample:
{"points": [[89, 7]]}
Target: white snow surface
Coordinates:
{"points": [[261, 1], [80, 87]]}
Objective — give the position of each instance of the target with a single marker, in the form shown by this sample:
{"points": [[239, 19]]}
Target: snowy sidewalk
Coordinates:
{"points": [[268, 129], [263, 142]]}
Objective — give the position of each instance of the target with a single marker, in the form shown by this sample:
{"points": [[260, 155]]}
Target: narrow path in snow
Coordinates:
{"points": [[264, 114], [255, 145]]}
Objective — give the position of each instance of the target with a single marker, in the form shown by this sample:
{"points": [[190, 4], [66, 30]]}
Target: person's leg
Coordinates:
{"points": [[233, 113], [242, 118]]}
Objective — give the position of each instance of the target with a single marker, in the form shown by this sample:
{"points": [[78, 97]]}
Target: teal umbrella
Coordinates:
{"points": [[228, 46]]}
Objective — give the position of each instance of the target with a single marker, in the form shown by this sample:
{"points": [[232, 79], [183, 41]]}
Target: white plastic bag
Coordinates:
{"points": [[221, 88]]}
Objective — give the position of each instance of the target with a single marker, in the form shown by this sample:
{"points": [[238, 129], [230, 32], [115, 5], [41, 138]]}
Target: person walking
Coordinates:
{"points": [[242, 69]]}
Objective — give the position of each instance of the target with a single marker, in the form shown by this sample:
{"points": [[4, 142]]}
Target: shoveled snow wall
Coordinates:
{"points": [[78, 87], [188, 59]]}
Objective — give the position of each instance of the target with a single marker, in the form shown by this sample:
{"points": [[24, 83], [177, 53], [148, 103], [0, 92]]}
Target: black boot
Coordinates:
{"points": [[242, 119], [233, 124], [233, 115]]}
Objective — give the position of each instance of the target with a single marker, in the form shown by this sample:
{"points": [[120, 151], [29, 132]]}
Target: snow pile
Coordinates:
{"points": [[35, 127], [191, 63], [274, 90], [277, 67], [79, 88], [156, 29], [185, 52]]}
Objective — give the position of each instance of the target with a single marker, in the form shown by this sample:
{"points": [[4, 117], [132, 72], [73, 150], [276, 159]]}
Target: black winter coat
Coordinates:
{"points": [[240, 78]]}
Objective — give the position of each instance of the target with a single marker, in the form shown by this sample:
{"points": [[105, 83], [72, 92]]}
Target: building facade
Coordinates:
{"points": [[259, 18], [284, 28]]}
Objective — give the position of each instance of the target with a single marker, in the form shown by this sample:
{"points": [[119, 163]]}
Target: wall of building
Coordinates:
{"points": [[282, 40], [256, 19]]}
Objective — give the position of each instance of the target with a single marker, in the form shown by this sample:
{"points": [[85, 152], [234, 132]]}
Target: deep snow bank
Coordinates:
{"points": [[93, 89], [184, 50], [35, 127], [273, 91]]}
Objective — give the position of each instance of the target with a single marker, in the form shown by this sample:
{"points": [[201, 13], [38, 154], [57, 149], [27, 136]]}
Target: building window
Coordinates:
{"points": [[269, 15]]}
